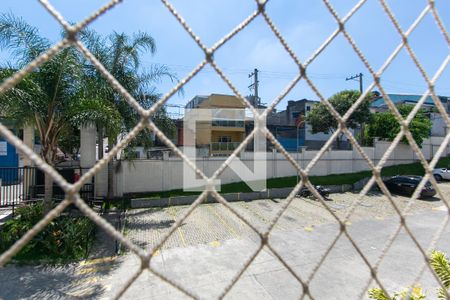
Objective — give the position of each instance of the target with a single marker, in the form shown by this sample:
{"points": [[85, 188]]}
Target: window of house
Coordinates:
{"points": [[308, 108], [224, 139]]}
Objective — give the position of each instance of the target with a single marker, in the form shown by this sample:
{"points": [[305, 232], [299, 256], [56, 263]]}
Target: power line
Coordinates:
{"points": [[360, 79], [394, 85], [261, 73]]}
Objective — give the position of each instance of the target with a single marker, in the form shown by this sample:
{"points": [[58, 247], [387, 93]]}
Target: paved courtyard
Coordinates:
{"points": [[213, 222], [212, 245]]}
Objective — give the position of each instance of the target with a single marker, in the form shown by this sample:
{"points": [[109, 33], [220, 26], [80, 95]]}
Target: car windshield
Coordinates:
{"points": [[418, 180]]}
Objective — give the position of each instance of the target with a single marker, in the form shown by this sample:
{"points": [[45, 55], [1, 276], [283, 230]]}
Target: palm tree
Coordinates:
{"points": [[43, 97], [121, 55], [69, 91]]}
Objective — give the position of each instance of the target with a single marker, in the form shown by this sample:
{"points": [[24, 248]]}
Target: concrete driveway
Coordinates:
{"points": [[213, 222]]}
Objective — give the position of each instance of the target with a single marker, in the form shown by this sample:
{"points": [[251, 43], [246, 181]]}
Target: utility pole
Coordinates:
{"points": [[359, 77], [254, 86]]}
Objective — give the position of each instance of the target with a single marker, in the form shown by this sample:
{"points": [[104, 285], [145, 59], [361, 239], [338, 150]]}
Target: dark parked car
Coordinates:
{"points": [[305, 192], [406, 185]]}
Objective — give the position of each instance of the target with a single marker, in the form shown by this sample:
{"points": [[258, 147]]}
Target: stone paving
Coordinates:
{"points": [[205, 269], [213, 222]]}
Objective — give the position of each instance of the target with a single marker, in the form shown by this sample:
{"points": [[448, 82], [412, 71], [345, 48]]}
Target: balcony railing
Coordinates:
{"points": [[227, 123], [224, 146]]}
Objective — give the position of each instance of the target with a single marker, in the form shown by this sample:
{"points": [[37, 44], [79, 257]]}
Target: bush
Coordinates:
{"points": [[65, 238], [441, 266]]}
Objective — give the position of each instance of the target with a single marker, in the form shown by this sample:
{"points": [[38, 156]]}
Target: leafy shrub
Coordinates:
{"points": [[440, 265], [65, 238]]}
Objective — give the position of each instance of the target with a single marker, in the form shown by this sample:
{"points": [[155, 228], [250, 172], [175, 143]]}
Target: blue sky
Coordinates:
{"points": [[305, 24]]}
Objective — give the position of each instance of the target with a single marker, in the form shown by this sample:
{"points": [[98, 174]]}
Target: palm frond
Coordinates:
{"points": [[378, 294], [98, 111], [22, 39], [118, 42], [441, 266], [415, 293], [91, 39], [25, 97], [156, 74], [142, 41]]}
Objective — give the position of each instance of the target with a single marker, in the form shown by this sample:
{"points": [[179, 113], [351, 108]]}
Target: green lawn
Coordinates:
{"points": [[334, 179]]}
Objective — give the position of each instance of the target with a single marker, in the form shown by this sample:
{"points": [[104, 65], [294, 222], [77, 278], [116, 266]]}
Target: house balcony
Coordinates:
{"points": [[228, 125], [224, 147]]}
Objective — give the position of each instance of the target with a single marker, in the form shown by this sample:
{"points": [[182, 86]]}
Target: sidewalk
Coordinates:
{"points": [[105, 245]]}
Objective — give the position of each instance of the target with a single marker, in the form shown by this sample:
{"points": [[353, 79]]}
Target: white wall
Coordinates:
{"points": [[320, 136], [157, 175], [439, 127], [309, 136]]}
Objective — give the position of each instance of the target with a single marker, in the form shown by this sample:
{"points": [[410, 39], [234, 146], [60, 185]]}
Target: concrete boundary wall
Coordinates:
{"points": [[232, 197], [142, 176]]}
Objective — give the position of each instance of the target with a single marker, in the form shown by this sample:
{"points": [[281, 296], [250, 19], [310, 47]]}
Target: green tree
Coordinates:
{"points": [[122, 56], [384, 125], [321, 120], [43, 97], [68, 91]]}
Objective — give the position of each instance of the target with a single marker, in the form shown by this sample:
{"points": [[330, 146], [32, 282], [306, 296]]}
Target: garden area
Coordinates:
{"points": [[69, 237]]}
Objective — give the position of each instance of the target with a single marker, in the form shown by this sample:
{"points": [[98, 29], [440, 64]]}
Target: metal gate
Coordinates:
{"points": [[19, 184]]}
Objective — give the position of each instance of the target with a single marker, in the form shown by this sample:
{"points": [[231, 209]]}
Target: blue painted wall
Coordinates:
{"points": [[8, 163], [289, 136], [290, 144]]}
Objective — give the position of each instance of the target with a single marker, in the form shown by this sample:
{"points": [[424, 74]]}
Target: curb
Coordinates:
{"points": [[231, 197]]}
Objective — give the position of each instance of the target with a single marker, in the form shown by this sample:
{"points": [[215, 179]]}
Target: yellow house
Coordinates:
{"points": [[226, 130]]}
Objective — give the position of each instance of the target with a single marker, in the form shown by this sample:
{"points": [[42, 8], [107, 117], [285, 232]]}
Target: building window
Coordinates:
{"points": [[224, 139], [227, 123], [308, 108]]}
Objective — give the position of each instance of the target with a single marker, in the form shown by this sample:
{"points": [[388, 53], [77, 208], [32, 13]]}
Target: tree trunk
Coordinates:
{"points": [[48, 194], [110, 194], [47, 203]]}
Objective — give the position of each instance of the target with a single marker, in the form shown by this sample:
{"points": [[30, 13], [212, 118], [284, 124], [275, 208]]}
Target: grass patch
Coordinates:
{"points": [[163, 194], [333, 179], [67, 238]]}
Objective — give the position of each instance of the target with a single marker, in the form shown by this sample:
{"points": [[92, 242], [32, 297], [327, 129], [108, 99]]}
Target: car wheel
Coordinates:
{"points": [[437, 177]]}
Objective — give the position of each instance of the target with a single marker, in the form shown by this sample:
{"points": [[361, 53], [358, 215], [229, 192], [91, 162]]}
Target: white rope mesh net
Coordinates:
{"points": [[72, 190]]}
